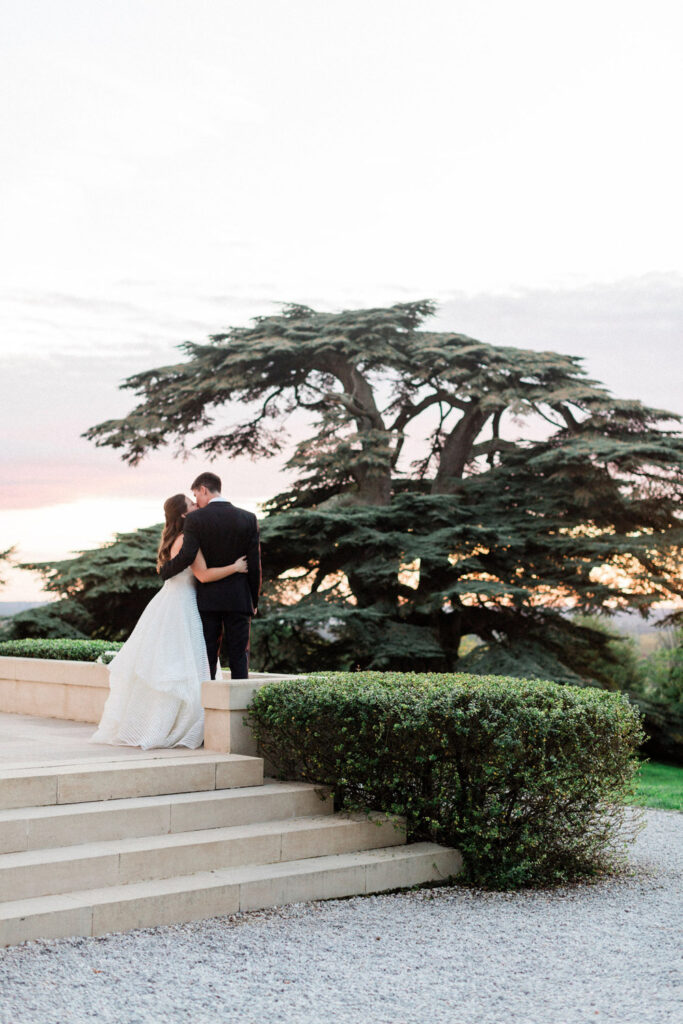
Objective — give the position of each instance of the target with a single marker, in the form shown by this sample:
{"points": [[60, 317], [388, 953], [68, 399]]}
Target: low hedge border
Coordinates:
{"points": [[528, 779], [61, 650]]}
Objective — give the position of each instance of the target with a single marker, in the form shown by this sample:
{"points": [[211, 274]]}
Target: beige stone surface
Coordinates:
{"points": [[316, 837], [153, 905], [225, 694], [241, 737], [32, 741], [200, 851], [70, 824], [132, 859], [241, 770], [13, 833], [64, 825], [225, 808], [117, 781], [8, 695], [43, 761], [22, 788], [84, 703], [34, 697], [225, 891], [48, 670], [53, 689], [49, 917], [96, 864], [47, 872], [225, 704], [293, 885], [217, 730], [216, 694], [411, 865]]}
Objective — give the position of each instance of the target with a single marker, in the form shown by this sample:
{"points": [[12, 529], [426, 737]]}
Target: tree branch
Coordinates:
{"points": [[496, 444]]}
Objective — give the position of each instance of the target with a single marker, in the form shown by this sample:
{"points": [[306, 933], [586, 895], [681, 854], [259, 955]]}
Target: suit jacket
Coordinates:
{"points": [[224, 533]]}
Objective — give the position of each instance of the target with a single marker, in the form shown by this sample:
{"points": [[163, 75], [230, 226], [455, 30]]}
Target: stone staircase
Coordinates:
{"points": [[101, 847]]}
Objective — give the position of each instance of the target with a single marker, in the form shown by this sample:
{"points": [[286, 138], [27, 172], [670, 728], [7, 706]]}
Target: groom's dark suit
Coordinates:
{"points": [[224, 533]]}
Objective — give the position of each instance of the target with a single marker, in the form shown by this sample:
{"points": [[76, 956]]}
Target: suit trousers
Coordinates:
{"points": [[233, 628]]}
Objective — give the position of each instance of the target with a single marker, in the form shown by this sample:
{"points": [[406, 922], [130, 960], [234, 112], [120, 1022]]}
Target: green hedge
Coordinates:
{"points": [[62, 650], [528, 779]]}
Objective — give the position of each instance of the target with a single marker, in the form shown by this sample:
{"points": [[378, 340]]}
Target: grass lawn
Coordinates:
{"points": [[660, 785]]}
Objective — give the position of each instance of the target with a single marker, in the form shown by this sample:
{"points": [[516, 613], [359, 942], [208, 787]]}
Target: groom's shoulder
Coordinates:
{"points": [[227, 508], [242, 511], [233, 512]]}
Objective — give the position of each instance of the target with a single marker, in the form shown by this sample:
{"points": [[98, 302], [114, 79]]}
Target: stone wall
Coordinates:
{"points": [[77, 690]]}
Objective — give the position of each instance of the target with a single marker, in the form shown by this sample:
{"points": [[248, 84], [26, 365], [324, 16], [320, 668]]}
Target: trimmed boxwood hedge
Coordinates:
{"points": [[526, 778], [62, 650]]}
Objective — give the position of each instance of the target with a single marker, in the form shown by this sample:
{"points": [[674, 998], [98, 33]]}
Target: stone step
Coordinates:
{"points": [[117, 862], [33, 828], [118, 780], [225, 891]]}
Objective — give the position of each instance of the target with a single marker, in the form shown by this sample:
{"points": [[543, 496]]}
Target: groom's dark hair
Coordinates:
{"points": [[208, 480]]}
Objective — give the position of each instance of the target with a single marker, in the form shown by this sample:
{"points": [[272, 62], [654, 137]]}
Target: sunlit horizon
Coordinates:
{"points": [[73, 526]]}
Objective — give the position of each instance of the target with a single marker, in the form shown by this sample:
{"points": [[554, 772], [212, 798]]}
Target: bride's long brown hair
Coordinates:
{"points": [[174, 510]]}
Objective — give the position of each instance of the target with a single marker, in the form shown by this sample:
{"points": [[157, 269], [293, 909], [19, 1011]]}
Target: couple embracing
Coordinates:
{"points": [[210, 560]]}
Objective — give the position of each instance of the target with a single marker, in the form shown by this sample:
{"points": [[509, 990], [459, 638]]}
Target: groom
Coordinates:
{"points": [[224, 533]]}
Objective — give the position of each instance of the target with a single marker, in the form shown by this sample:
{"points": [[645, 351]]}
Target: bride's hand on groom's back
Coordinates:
{"points": [[241, 564]]}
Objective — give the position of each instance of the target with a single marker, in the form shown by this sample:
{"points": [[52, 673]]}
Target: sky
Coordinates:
{"points": [[172, 167]]}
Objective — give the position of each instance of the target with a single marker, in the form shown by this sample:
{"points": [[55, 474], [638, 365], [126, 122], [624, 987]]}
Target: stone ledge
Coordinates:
{"points": [[48, 688], [51, 670], [235, 695], [225, 704], [77, 691]]}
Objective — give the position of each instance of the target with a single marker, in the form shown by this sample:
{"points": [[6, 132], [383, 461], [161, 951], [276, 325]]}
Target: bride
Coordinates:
{"points": [[155, 679]]}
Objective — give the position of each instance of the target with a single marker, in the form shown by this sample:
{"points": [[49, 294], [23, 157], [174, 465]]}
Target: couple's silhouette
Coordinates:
{"points": [[210, 560]]}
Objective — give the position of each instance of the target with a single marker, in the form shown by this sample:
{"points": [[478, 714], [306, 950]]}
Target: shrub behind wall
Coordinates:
{"points": [[61, 650], [526, 778]]}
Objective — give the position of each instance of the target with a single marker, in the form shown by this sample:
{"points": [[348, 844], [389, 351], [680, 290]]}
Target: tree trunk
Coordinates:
{"points": [[374, 483], [457, 450]]}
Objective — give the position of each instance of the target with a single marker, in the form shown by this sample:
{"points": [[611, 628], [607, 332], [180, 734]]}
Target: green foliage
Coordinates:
{"points": [[664, 671], [605, 658], [528, 659], [61, 650], [103, 591], [59, 619], [659, 696], [527, 779], [615, 664], [499, 529], [659, 785], [600, 654]]}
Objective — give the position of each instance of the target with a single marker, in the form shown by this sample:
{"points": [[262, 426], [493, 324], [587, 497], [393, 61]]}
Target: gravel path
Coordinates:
{"points": [[610, 951]]}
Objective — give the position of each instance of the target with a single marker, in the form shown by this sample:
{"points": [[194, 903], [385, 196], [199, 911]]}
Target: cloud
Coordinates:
{"points": [[628, 332]]}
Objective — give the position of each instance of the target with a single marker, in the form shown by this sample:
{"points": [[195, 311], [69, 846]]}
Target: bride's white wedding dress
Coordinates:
{"points": [[155, 679]]}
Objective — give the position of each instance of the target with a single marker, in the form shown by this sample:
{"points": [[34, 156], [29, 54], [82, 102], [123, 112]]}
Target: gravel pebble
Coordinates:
{"points": [[608, 951]]}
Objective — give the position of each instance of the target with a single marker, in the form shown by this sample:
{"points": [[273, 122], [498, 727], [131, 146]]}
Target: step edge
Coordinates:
{"points": [[174, 840], [39, 812], [97, 767], [224, 876]]}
